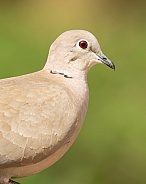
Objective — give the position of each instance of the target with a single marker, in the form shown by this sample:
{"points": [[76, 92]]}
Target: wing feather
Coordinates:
{"points": [[34, 117]]}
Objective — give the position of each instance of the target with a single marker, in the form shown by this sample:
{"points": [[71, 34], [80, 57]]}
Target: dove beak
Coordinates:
{"points": [[103, 59]]}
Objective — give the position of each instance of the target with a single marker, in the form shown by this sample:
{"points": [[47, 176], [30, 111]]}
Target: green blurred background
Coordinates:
{"points": [[111, 148]]}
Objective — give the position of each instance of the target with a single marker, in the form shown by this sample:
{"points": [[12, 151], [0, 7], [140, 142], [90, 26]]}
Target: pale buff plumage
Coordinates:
{"points": [[42, 113]]}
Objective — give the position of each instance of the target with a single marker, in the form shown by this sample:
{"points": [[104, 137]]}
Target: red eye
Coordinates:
{"points": [[83, 44]]}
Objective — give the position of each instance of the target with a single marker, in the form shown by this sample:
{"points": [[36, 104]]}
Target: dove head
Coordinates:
{"points": [[75, 51]]}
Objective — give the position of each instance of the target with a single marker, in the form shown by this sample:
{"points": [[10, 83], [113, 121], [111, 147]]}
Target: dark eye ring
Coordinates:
{"points": [[83, 44]]}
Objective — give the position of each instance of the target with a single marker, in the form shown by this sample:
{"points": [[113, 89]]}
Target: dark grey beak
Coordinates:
{"points": [[105, 60]]}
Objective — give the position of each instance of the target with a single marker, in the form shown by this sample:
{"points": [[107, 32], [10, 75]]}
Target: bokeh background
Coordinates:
{"points": [[111, 148]]}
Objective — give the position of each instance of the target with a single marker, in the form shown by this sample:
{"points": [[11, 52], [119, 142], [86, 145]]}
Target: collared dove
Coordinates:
{"points": [[42, 113]]}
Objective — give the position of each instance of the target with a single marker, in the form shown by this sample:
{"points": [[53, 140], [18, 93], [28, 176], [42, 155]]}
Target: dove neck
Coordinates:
{"points": [[75, 79], [66, 70]]}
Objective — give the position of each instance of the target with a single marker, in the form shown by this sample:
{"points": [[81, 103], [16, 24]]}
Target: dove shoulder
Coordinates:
{"points": [[35, 118]]}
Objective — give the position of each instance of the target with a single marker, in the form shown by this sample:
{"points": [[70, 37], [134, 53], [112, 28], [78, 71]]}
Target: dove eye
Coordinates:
{"points": [[83, 44]]}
